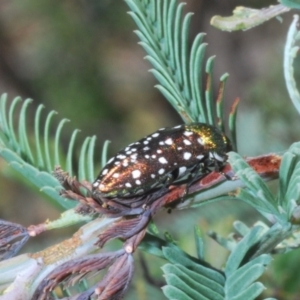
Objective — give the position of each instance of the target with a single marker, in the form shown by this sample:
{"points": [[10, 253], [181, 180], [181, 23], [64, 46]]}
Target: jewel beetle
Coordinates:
{"points": [[168, 156]]}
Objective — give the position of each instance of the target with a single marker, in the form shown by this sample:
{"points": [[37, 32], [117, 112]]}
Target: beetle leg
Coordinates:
{"points": [[218, 168], [192, 177]]}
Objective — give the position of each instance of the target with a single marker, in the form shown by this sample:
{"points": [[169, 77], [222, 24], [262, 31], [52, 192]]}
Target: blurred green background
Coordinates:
{"points": [[81, 59]]}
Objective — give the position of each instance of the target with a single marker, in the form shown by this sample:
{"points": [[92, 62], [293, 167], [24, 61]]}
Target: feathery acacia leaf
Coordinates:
{"points": [[164, 34], [195, 279], [290, 53], [37, 162]]}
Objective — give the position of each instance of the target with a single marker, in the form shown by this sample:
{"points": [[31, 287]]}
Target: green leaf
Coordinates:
{"points": [[196, 282], [244, 18], [251, 293], [290, 53], [174, 293], [241, 228], [199, 242], [256, 193], [164, 34], [195, 279], [190, 277], [289, 177], [187, 288], [175, 255], [152, 244], [241, 271], [237, 255], [17, 144], [227, 243], [291, 3], [244, 276], [285, 171], [44, 181]]}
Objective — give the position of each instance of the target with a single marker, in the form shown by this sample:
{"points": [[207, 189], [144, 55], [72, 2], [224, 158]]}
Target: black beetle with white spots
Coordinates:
{"points": [[144, 170]]}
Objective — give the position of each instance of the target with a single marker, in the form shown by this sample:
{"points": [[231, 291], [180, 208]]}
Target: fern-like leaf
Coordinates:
{"points": [[290, 53], [241, 276], [35, 157], [164, 34], [245, 18], [191, 278], [256, 193], [289, 175]]}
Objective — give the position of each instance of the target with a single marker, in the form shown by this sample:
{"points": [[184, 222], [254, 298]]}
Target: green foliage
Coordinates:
{"points": [[291, 3], [163, 31], [290, 53], [34, 157], [164, 34], [257, 193], [245, 18], [289, 190], [191, 278], [283, 205]]}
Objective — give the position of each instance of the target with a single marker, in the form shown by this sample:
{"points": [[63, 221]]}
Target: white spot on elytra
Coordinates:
{"points": [[153, 156], [147, 156], [146, 148], [152, 175], [218, 157], [127, 184], [128, 152], [127, 148], [104, 172], [161, 143], [149, 138], [125, 163], [187, 155], [175, 164], [136, 173], [178, 126], [110, 160], [96, 183], [117, 162], [161, 129], [145, 142], [199, 140], [133, 149], [182, 170], [138, 182], [134, 156], [101, 186], [199, 156], [161, 171], [159, 151], [179, 148], [116, 175], [156, 134], [162, 160], [169, 141], [187, 142], [188, 133], [121, 156]]}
